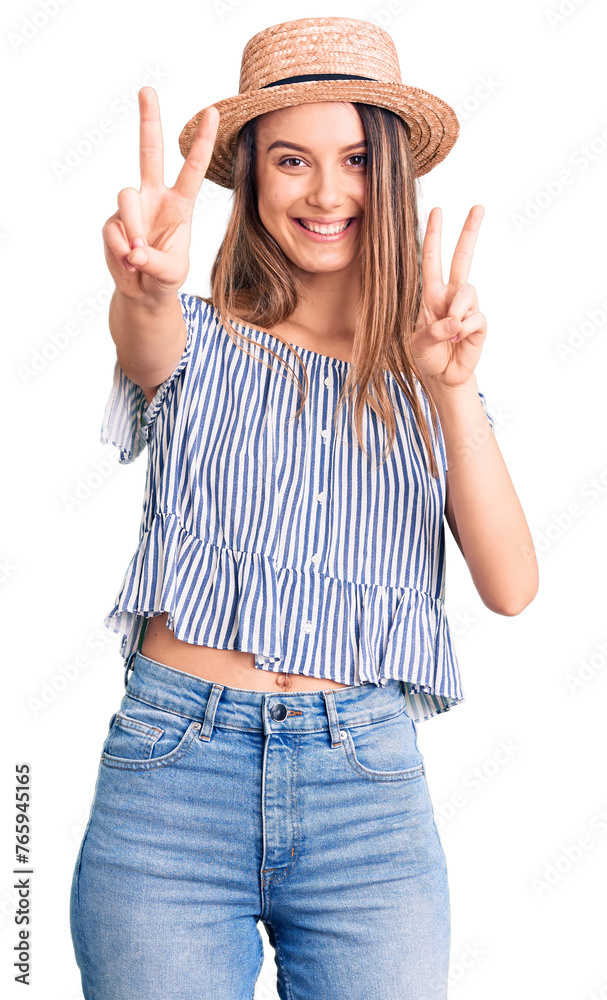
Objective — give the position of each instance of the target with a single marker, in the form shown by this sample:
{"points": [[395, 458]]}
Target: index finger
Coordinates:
{"points": [[199, 155], [432, 269], [462, 255], [151, 148]]}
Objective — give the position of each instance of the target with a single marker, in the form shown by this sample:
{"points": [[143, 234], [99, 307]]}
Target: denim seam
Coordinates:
{"points": [[259, 968], [197, 718], [280, 957], [373, 722], [294, 829], [78, 907], [276, 880], [153, 762], [249, 729], [79, 924], [294, 786], [407, 774], [125, 721], [163, 708], [148, 739]]}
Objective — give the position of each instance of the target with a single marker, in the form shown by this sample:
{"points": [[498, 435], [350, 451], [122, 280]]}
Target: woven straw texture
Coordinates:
{"points": [[325, 45]]}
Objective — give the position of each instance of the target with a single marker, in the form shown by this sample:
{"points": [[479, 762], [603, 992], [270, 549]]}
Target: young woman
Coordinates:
{"points": [[263, 762]]}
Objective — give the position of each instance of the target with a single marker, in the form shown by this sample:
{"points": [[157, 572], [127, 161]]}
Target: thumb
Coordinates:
{"points": [[163, 266], [452, 326]]}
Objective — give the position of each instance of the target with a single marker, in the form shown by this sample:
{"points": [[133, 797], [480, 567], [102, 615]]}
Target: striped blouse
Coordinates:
{"points": [[280, 536]]}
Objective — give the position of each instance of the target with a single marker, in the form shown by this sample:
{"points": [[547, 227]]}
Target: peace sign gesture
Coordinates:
{"points": [[444, 352], [147, 240]]}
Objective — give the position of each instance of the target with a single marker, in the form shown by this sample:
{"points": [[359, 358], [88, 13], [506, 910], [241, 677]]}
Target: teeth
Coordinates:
{"points": [[325, 230]]}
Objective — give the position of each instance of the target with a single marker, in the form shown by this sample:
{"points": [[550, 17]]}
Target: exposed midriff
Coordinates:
{"points": [[231, 667]]}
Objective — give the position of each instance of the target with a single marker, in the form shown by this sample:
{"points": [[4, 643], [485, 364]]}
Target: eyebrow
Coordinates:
{"points": [[304, 149]]}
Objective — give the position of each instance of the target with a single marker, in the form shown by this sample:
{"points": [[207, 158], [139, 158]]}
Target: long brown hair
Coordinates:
{"points": [[253, 284]]}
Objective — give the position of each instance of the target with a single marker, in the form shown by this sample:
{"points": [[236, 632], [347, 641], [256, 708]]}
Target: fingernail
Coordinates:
{"points": [[137, 242]]}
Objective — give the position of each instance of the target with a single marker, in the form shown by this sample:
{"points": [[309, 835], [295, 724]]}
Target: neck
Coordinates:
{"points": [[327, 308]]}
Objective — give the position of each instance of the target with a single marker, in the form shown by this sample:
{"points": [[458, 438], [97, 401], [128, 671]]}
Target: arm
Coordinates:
{"points": [[482, 508], [150, 339], [481, 505]]}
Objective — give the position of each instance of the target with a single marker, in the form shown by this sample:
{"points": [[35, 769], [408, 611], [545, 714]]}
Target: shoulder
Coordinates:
{"points": [[191, 299], [197, 311]]}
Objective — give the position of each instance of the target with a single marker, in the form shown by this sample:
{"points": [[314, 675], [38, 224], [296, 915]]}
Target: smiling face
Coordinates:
{"points": [[311, 169]]}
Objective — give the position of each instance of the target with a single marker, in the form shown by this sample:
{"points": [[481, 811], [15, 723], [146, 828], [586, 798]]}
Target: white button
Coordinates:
{"points": [[320, 497], [315, 557], [308, 627], [342, 733], [327, 381], [325, 433]]}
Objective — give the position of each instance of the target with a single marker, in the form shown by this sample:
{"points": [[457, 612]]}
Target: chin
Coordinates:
{"points": [[310, 267]]}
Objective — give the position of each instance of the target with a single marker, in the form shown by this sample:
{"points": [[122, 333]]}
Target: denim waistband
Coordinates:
{"points": [[260, 711]]}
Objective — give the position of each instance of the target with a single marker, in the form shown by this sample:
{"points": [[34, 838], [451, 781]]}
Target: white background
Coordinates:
{"points": [[528, 85]]}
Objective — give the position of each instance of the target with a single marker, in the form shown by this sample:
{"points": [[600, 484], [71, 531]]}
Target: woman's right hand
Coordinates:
{"points": [[146, 242]]}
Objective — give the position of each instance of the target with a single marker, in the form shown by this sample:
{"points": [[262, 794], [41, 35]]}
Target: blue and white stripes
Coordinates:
{"points": [[279, 536]]}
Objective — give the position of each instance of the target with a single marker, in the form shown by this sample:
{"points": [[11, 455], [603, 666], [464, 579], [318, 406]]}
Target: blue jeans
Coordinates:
{"points": [[216, 807]]}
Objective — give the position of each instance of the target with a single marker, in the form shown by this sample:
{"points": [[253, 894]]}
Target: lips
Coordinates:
{"points": [[342, 226], [324, 237], [324, 222]]}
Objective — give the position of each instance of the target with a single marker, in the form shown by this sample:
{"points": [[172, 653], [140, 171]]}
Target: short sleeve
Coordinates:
{"points": [[128, 416], [489, 417]]}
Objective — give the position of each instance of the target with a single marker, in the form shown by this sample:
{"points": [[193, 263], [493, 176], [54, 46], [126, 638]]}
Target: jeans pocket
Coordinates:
{"points": [[385, 750], [144, 736]]}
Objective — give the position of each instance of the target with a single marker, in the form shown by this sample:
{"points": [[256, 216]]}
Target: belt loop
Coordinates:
{"points": [[331, 707], [142, 631], [209, 714], [129, 666]]}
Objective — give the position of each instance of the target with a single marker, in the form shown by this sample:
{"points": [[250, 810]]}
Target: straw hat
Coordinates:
{"points": [[325, 59]]}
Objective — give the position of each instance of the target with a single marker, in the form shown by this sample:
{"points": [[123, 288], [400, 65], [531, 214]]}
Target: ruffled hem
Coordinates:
{"points": [[226, 599]]}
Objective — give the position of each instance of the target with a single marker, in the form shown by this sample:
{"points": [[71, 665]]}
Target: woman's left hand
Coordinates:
{"points": [[444, 353]]}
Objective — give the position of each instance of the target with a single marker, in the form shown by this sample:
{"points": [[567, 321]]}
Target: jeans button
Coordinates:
{"points": [[279, 711]]}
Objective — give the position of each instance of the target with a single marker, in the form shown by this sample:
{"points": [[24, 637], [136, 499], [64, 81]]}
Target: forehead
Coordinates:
{"points": [[338, 120]]}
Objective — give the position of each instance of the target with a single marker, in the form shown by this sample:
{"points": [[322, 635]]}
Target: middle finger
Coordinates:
{"points": [[462, 255]]}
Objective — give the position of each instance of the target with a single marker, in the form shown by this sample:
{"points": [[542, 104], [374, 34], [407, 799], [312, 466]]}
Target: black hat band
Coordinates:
{"points": [[318, 76]]}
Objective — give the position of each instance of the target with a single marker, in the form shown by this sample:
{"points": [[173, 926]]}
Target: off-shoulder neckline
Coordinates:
{"points": [[304, 350]]}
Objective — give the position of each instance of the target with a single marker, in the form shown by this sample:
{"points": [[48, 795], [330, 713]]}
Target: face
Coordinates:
{"points": [[311, 168]]}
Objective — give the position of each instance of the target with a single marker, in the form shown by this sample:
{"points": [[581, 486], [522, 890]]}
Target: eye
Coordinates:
{"points": [[355, 156], [287, 158]]}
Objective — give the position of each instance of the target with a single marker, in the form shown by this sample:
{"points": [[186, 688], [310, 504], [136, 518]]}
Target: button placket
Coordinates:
{"points": [[321, 441]]}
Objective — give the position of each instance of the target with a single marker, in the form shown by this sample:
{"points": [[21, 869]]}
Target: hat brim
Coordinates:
{"points": [[433, 124]]}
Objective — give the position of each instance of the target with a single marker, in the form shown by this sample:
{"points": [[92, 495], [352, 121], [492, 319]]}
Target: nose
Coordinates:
{"points": [[327, 190]]}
